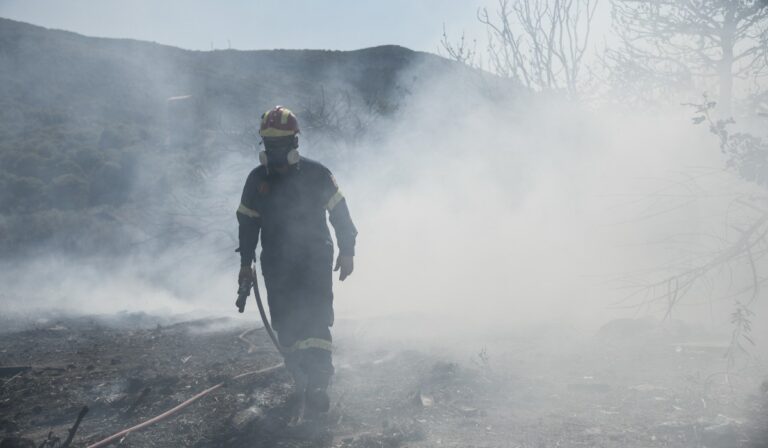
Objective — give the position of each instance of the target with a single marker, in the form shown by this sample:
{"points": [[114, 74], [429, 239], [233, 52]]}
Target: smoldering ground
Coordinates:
{"points": [[491, 228]]}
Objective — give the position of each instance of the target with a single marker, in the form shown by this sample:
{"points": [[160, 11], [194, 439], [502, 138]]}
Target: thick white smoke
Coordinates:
{"points": [[490, 214]]}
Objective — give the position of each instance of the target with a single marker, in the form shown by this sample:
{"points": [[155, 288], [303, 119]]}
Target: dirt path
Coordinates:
{"points": [[508, 392]]}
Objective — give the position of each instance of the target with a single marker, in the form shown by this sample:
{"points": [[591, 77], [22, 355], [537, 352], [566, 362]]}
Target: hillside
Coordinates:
{"points": [[87, 128], [125, 80]]}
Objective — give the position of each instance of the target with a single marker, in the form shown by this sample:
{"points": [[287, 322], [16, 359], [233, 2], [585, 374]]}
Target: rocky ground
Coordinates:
{"points": [[508, 391]]}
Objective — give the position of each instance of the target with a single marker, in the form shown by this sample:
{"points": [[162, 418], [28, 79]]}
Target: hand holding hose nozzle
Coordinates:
{"points": [[245, 279], [242, 295]]}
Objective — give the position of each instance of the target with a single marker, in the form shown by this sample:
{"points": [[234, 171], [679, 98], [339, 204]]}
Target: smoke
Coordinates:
{"points": [[475, 210], [483, 216]]}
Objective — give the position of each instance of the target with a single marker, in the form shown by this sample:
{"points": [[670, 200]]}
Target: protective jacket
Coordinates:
{"points": [[289, 209]]}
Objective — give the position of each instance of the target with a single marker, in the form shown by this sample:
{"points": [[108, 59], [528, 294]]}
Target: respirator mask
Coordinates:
{"points": [[280, 151]]}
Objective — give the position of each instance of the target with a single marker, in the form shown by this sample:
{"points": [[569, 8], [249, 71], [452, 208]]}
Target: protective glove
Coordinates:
{"points": [[345, 264], [246, 273]]}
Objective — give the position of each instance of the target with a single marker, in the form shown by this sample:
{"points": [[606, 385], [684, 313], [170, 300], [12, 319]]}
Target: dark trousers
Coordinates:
{"points": [[300, 297]]}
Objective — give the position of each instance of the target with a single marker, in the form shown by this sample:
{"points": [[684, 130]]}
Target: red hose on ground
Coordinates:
{"points": [[183, 405], [178, 408]]}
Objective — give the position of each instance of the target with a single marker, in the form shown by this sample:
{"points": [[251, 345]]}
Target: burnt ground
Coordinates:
{"points": [[509, 391]]}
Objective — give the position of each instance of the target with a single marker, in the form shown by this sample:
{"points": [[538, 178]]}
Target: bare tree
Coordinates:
{"points": [[684, 41], [740, 252], [459, 51], [541, 43]]}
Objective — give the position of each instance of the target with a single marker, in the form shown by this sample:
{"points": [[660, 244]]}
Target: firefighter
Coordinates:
{"points": [[285, 201]]}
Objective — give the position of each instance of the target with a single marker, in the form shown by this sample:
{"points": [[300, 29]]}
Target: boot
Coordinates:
{"points": [[317, 400]]}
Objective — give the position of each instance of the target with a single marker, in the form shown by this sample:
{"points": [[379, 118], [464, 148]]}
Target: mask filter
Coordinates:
{"points": [[292, 157], [279, 157]]}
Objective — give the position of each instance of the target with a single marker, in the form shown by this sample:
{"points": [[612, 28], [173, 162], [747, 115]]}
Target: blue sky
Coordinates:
{"points": [[258, 24]]}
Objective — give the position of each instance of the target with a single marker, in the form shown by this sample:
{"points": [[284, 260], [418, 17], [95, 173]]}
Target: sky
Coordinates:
{"points": [[260, 24]]}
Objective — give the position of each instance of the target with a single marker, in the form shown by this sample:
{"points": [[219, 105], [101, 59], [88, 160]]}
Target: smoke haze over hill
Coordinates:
{"points": [[474, 200]]}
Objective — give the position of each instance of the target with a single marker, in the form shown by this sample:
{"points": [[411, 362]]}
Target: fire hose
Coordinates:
{"points": [[242, 293]]}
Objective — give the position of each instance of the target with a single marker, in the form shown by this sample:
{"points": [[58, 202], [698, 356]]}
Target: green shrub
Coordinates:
{"points": [[22, 194], [68, 192]]}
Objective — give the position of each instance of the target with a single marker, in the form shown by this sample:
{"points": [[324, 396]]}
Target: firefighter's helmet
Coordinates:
{"points": [[279, 131], [278, 122]]}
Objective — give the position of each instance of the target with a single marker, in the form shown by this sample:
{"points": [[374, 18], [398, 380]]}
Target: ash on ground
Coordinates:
{"points": [[636, 390]]}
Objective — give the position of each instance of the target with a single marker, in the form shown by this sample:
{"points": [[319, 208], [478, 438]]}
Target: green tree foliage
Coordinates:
{"points": [[746, 153]]}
